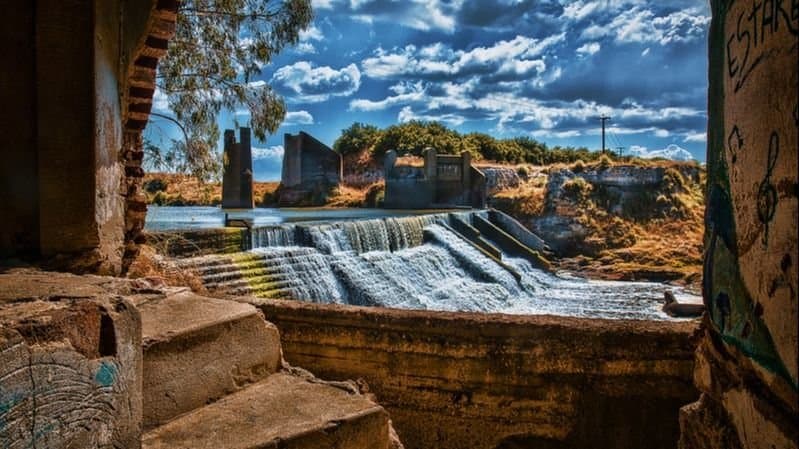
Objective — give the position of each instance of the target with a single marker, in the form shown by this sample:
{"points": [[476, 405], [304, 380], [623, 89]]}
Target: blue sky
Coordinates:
{"points": [[542, 68]]}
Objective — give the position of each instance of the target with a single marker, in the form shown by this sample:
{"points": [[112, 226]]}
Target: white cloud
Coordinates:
{"points": [[298, 118], [589, 48], [311, 33], [579, 10], [520, 57], [275, 152], [160, 101], [308, 84], [696, 137], [305, 48], [545, 133], [641, 26], [407, 114], [322, 4], [673, 152]]}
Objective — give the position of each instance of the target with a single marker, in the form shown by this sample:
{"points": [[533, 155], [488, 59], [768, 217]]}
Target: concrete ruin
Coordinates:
{"points": [[83, 81], [310, 170], [747, 361], [237, 177], [444, 181]]}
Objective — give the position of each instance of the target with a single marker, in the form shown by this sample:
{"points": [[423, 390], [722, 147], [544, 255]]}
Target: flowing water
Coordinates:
{"points": [[415, 262]]}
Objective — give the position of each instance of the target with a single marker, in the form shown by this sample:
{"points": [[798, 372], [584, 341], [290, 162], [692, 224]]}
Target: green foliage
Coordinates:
{"points": [[523, 172], [357, 138], [155, 185], [218, 49], [578, 166], [411, 138]]}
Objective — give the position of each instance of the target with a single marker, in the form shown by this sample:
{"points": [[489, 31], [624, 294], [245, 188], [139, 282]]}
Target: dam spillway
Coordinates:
{"points": [[416, 262]]}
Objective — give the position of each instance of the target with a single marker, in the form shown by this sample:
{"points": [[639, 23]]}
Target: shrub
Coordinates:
{"points": [[578, 166], [155, 185], [523, 172], [577, 188], [605, 162], [673, 181], [375, 195], [160, 198]]}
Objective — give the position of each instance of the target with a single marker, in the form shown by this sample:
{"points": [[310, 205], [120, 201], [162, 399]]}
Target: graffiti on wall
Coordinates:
{"points": [[751, 241]]}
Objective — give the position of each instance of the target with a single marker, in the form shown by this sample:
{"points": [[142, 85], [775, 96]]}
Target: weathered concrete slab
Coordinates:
{"points": [[282, 411], [70, 363], [198, 349], [477, 381]]}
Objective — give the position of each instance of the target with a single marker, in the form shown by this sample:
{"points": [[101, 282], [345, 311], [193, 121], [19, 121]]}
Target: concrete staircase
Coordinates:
{"points": [[213, 378]]}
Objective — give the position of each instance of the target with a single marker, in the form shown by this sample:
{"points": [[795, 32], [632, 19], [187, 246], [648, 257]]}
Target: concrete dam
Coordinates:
{"points": [[459, 262]]}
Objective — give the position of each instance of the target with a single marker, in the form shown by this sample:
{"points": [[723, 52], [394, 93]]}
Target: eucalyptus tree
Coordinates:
{"points": [[219, 49]]}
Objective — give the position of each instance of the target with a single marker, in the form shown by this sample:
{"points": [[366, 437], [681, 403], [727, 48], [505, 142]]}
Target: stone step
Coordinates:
{"points": [[198, 349], [282, 411]]}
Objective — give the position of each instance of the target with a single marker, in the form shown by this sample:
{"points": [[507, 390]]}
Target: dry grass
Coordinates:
{"points": [[150, 265], [170, 189], [660, 240]]}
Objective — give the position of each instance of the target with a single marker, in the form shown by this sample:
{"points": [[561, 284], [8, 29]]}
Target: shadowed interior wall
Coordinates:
{"points": [[747, 361], [19, 167]]}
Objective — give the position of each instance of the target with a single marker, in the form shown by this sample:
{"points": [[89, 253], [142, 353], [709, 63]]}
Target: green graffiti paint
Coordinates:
{"points": [[106, 374], [730, 305]]}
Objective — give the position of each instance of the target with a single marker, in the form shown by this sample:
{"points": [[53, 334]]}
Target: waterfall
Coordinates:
{"points": [[411, 262], [269, 236]]}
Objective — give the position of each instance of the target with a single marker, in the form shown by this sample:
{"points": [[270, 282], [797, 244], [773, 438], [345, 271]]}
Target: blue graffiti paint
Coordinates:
{"points": [[106, 374]]}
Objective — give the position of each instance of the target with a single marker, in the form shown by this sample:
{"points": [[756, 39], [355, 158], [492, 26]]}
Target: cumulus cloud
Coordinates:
{"points": [[406, 114], [422, 15], [304, 83], [520, 57], [298, 118], [641, 25], [696, 137], [673, 152], [588, 49], [274, 152]]}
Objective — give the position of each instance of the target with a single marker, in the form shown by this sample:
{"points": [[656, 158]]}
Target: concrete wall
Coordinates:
{"points": [[445, 180], [747, 360], [456, 380], [307, 161]]}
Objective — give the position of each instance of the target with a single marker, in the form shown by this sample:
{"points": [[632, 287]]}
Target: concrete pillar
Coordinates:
{"points": [[389, 161], [292, 160], [466, 165], [747, 359], [245, 160], [231, 181], [430, 164]]}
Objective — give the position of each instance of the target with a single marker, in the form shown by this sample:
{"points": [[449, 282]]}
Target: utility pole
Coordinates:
{"points": [[604, 119], [621, 150]]}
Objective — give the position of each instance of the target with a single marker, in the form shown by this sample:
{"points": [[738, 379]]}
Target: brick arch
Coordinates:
{"points": [[137, 103]]}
